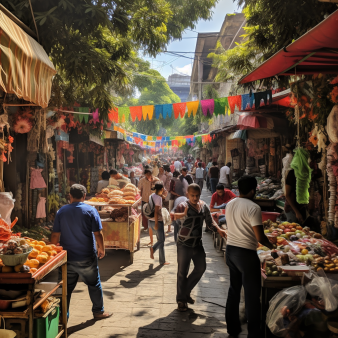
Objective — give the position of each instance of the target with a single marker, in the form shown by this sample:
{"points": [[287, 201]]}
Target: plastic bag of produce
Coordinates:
{"points": [[283, 307], [6, 206], [323, 288]]}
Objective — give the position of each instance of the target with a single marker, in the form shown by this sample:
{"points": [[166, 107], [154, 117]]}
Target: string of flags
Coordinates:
{"points": [[162, 142], [221, 106]]}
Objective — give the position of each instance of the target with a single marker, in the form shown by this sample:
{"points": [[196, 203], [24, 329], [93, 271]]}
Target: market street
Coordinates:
{"points": [[142, 297]]}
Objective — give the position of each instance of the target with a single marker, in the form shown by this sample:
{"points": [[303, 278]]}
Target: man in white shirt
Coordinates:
{"points": [[178, 165], [224, 176], [245, 230]]}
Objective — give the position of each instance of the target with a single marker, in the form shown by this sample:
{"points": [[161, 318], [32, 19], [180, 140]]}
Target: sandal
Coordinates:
{"points": [[190, 300], [182, 307]]}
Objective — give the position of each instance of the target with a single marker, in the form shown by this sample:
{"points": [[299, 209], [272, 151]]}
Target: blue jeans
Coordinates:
{"points": [[213, 184], [159, 245], [245, 270], [89, 273]]}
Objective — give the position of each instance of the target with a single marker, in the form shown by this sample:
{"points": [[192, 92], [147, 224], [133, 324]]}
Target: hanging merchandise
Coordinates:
{"points": [[286, 168], [37, 181], [303, 175], [41, 208], [332, 123]]}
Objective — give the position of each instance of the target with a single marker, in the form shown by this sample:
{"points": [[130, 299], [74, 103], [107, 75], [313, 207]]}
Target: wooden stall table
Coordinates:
{"points": [[28, 281], [122, 235]]}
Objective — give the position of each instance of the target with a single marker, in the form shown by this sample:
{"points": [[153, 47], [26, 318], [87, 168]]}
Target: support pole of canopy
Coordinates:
{"points": [[299, 62]]}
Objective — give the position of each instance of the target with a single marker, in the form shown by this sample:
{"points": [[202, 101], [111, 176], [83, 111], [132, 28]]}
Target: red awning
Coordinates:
{"points": [[247, 121], [314, 52]]}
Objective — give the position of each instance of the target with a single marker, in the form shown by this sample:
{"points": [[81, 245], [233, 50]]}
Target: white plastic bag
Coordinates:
{"points": [[285, 303], [322, 287], [6, 206]]}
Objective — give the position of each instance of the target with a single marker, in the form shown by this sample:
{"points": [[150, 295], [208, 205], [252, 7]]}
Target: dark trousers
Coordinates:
{"points": [[144, 218], [186, 283], [88, 271], [213, 184], [244, 270]]}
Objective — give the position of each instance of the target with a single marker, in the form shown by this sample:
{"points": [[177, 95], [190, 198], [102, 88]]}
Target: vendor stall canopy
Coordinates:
{"points": [[26, 70], [314, 52]]}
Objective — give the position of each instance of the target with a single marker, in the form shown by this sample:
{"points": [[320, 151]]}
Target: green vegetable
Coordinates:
{"points": [[275, 273]]}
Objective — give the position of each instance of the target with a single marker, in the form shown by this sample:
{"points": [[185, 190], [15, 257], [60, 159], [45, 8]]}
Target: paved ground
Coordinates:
{"points": [[142, 297]]}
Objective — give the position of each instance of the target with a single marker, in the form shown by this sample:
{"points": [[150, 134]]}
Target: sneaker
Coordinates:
{"points": [[103, 315], [182, 307], [190, 300]]}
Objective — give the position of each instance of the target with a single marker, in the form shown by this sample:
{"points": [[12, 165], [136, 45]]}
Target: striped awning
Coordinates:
{"points": [[25, 69]]}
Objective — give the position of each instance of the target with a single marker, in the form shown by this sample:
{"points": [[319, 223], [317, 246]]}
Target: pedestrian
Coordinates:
{"points": [[186, 176], [78, 228], [213, 174], [190, 216], [133, 179], [104, 182], [178, 165], [245, 230], [224, 176], [172, 167], [200, 175], [156, 223], [145, 185], [207, 170]]}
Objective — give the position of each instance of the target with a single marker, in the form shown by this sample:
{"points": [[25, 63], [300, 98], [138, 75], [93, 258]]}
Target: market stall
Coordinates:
{"points": [[29, 306], [120, 217]]}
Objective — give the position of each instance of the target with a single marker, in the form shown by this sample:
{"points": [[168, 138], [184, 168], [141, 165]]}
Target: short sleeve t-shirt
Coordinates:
{"points": [[214, 171], [76, 222], [242, 215], [158, 202], [223, 175], [219, 200]]}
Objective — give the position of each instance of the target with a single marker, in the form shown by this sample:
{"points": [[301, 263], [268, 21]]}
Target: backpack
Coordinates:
{"points": [[149, 208]]}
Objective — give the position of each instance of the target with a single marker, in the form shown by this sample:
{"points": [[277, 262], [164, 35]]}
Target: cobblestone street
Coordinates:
{"points": [[142, 297]]}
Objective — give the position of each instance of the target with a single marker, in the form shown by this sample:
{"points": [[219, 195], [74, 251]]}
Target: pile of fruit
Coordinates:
{"points": [[41, 254]]}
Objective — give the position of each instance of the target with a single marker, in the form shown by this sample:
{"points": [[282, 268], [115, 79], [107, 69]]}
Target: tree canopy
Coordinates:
{"points": [[91, 43], [271, 25]]}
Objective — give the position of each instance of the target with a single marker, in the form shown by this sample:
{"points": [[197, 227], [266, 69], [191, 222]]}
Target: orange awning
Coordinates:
{"points": [[25, 68]]}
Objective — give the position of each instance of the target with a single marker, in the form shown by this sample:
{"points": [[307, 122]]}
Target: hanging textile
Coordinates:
{"points": [[263, 96], [113, 115], [147, 111], [96, 116], [167, 110], [136, 112], [158, 111], [192, 107], [235, 101], [247, 102], [83, 117], [208, 105], [179, 109], [124, 113], [221, 106]]}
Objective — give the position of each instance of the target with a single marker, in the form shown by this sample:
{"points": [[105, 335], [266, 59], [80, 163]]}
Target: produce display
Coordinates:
{"points": [[296, 246], [37, 254]]}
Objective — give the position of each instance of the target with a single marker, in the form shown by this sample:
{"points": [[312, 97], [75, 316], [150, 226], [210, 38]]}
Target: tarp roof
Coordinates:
{"points": [[314, 52], [26, 69]]}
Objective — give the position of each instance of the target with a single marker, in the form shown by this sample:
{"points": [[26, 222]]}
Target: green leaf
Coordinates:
{"points": [[43, 21]]}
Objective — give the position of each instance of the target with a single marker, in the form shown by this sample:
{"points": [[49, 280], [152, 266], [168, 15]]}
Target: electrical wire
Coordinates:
{"points": [[36, 28]]}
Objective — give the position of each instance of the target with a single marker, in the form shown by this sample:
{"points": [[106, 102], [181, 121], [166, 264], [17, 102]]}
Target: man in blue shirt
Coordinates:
{"points": [[78, 228]]}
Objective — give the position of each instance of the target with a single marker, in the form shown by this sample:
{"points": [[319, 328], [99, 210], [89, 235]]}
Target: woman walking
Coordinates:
{"points": [[200, 175], [156, 223]]}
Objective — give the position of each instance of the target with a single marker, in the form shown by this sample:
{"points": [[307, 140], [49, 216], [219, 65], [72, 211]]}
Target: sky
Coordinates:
{"points": [[168, 64]]}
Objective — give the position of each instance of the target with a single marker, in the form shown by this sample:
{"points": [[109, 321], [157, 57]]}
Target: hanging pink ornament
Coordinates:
{"points": [[96, 116]]}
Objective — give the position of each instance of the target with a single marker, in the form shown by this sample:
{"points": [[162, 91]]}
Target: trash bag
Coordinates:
{"points": [[323, 288], [283, 307]]}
